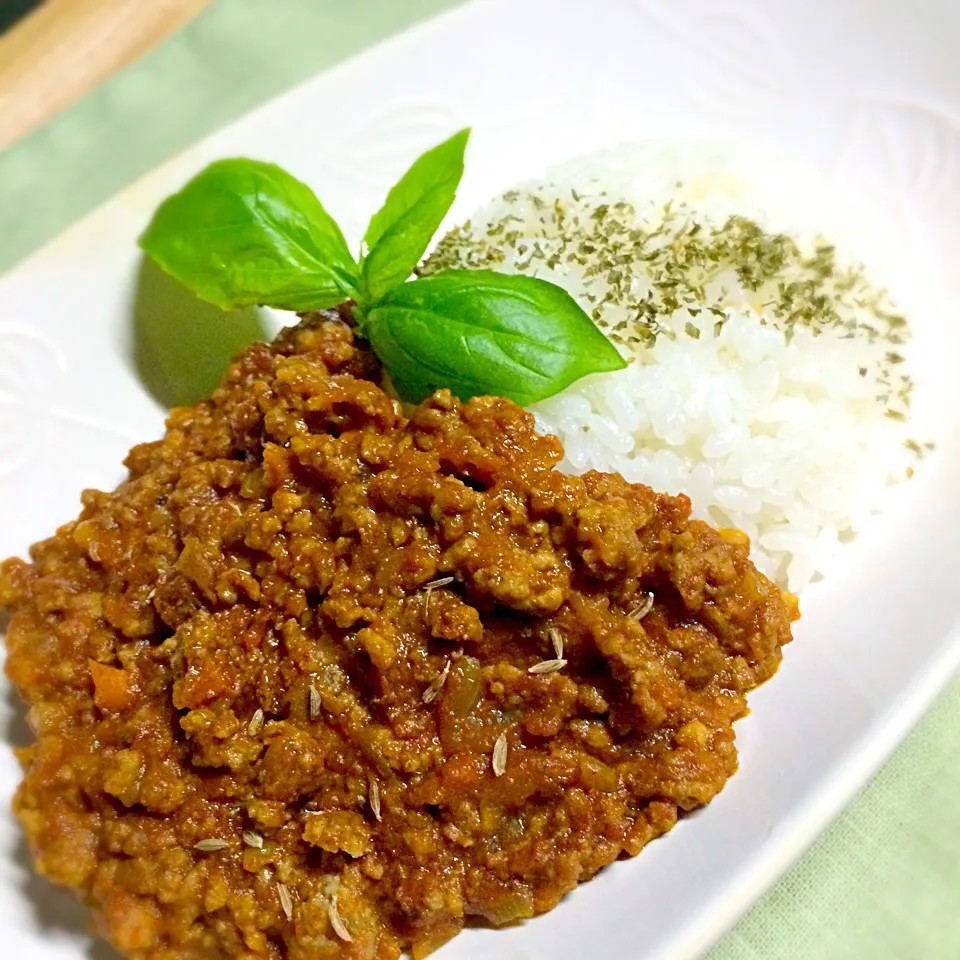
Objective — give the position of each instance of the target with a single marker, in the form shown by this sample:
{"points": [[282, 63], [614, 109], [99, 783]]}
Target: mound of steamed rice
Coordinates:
{"points": [[765, 380]]}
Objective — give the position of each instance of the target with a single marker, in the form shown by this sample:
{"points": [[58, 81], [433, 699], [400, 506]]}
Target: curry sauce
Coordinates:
{"points": [[325, 679]]}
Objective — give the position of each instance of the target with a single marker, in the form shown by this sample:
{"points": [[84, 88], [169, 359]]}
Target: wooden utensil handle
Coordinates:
{"points": [[66, 47]]}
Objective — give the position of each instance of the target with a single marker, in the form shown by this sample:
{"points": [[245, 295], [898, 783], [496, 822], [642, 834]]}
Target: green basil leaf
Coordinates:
{"points": [[401, 229], [479, 332], [244, 233]]}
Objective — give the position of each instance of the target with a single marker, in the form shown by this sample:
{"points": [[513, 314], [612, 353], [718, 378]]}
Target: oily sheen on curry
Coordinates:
{"points": [[324, 679]]}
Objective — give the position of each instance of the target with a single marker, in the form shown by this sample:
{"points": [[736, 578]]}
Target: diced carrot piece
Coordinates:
{"points": [[113, 687]]}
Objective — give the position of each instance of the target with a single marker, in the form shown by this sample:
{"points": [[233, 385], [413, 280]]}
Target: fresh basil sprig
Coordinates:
{"points": [[244, 233], [402, 228], [476, 332]]}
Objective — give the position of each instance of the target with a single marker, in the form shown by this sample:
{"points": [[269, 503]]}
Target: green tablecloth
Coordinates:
{"points": [[884, 881]]}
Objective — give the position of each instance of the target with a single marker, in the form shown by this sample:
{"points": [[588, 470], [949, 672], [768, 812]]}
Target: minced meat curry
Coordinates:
{"points": [[321, 680]]}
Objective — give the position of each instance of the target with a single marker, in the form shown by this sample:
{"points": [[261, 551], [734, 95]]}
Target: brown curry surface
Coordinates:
{"points": [[296, 635]]}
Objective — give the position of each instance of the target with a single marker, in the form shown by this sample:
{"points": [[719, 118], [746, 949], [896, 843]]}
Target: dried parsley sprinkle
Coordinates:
{"points": [[915, 448], [640, 268]]}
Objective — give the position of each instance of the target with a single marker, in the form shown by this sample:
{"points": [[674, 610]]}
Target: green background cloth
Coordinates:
{"points": [[884, 880]]}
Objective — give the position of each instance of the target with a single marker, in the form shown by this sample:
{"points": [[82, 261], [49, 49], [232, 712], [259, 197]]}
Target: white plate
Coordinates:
{"points": [[866, 92]]}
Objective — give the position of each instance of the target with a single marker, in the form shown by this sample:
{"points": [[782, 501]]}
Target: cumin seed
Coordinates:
{"points": [[336, 921], [642, 608], [499, 760], [253, 839], [256, 723], [556, 638], [439, 582], [433, 691], [313, 702], [375, 800], [548, 666], [286, 899], [211, 845]]}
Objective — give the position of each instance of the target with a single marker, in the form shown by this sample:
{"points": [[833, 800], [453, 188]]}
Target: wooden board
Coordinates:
{"points": [[64, 48]]}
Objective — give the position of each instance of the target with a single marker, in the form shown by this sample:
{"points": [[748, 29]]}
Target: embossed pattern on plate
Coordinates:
{"points": [[865, 91]]}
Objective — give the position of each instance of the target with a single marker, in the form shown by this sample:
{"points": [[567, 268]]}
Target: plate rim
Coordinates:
{"points": [[839, 784], [835, 793]]}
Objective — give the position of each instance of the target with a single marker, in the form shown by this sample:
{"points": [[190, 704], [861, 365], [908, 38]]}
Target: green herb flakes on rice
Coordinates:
{"points": [[766, 377]]}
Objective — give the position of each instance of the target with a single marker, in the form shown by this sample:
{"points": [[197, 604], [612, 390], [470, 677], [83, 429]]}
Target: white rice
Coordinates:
{"points": [[789, 429]]}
